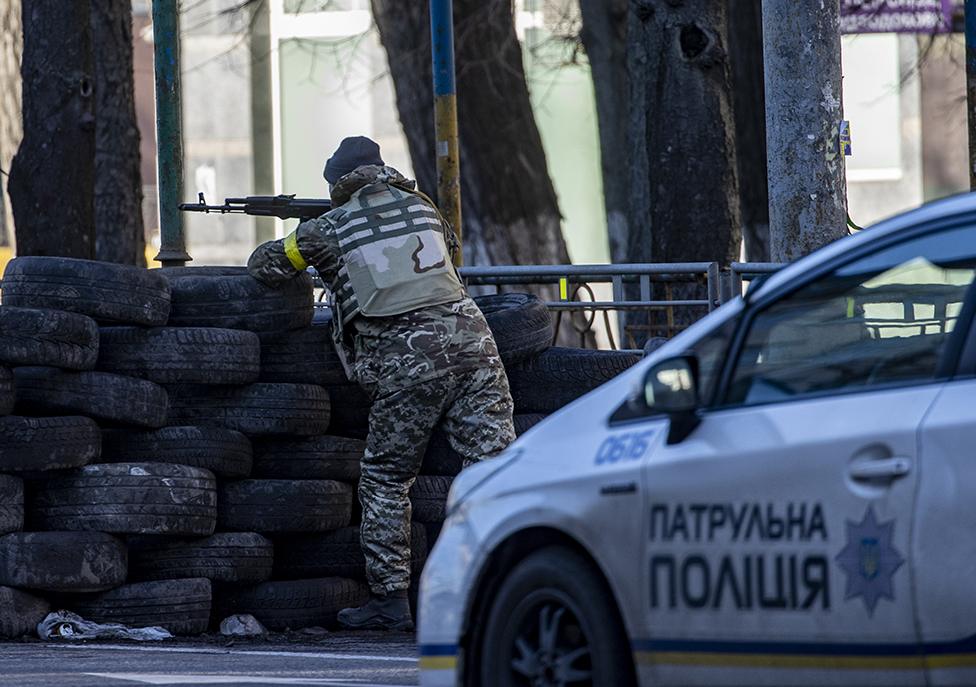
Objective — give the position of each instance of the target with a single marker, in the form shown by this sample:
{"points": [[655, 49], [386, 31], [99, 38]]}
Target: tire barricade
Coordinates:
{"points": [[177, 445]]}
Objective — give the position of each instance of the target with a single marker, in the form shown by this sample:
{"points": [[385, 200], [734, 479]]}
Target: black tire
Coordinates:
{"points": [[653, 343], [11, 504], [553, 578], [108, 292], [336, 554], [277, 505], [294, 604], [6, 391], [302, 356], [322, 457], [559, 376], [30, 336], [62, 561], [428, 496], [180, 606], [442, 459], [526, 421], [34, 444], [101, 395], [20, 613], [229, 297], [256, 409], [433, 530], [128, 498], [223, 557], [520, 323], [174, 355], [350, 411], [224, 452]]}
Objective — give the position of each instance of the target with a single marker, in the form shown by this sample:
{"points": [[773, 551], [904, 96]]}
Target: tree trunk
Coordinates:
{"points": [[604, 37], [749, 99], [684, 191], [509, 205], [52, 177], [807, 180], [119, 233], [685, 182], [11, 44]]}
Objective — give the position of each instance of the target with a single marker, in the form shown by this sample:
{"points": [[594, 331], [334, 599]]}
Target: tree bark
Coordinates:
{"points": [[11, 44], [52, 177], [509, 205], [119, 232], [807, 181], [685, 190], [749, 100], [604, 36]]}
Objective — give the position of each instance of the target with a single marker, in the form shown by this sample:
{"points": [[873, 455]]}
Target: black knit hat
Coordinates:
{"points": [[353, 152]]}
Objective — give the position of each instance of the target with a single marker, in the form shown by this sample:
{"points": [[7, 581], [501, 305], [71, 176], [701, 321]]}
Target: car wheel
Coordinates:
{"points": [[549, 625]]}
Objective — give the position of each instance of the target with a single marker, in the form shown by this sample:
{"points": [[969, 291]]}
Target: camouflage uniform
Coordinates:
{"points": [[436, 363]]}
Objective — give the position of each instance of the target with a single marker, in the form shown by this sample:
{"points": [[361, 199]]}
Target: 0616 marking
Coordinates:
{"points": [[625, 447]]}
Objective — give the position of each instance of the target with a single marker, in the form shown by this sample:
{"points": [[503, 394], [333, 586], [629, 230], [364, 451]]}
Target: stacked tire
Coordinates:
{"points": [[182, 444], [64, 513], [279, 475]]}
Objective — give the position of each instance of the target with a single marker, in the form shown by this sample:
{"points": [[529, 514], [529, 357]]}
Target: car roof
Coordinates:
{"points": [[962, 204]]}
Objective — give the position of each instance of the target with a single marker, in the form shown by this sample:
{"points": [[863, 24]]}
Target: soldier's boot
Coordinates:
{"points": [[391, 612]]}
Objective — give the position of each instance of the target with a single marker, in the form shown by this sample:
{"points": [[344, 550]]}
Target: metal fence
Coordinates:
{"points": [[595, 314], [591, 302]]}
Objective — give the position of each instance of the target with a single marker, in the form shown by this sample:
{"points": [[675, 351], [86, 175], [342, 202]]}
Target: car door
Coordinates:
{"points": [[943, 549], [778, 532]]}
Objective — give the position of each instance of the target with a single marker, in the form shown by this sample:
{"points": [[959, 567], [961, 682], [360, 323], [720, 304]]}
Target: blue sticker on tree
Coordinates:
{"points": [[870, 560]]}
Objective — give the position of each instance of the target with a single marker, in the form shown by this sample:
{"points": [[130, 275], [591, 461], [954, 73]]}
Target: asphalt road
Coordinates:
{"points": [[336, 659]]}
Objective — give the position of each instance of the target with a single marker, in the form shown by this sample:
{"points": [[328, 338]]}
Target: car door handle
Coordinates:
{"points": [[884, 468]]}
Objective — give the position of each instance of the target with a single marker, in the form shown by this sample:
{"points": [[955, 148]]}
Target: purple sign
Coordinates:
{"points": [[895, 16]]}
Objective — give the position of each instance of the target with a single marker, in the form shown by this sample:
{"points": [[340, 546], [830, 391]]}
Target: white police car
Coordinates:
{"points": [[788, 498]]}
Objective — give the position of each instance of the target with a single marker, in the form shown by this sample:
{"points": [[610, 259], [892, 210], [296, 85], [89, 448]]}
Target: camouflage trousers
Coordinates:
{"points": [[475, 407]]}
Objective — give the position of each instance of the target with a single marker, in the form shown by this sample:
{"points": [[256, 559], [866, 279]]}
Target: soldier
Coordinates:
{"points": [[414, 341]]}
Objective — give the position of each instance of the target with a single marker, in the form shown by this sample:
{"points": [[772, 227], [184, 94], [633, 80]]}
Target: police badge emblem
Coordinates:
{"points": [[870, 560]]}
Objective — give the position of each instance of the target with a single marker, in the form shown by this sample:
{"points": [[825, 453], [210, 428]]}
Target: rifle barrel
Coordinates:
{"points": [[282, 207]]}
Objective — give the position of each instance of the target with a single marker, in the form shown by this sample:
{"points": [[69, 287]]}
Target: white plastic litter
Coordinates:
{"points": [[242, 625], [67, 625]]}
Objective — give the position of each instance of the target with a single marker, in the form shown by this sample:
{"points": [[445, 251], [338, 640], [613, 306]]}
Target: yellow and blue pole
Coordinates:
{"points": [[445, 116], [169, 131]]}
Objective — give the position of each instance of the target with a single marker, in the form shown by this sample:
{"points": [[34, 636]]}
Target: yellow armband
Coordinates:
{"points": [[293, 254]]}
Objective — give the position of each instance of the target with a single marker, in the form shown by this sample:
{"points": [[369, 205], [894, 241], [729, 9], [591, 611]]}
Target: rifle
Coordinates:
{"points": [[282, 206]]}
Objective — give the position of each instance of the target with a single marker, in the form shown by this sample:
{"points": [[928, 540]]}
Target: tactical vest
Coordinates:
{"points": [[393, 257]]}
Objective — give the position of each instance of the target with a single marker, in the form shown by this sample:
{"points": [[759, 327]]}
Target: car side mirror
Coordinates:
{"points": [[671, 388]]}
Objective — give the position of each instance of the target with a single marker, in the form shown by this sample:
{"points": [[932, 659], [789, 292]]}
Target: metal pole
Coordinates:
{"points": [[807, 181], [971, 87], [445, 115], [262, 115], [169, 132]]}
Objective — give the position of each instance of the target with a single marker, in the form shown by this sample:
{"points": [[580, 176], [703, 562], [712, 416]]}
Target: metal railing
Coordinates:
{"points": [[740, 272], [679, 292], [632, 288]]}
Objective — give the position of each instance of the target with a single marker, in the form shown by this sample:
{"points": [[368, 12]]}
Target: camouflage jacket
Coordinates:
{"points": [[393, 351]]}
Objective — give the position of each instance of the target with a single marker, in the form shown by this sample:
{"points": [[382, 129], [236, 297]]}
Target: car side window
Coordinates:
{"points": [[881, 319]]}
